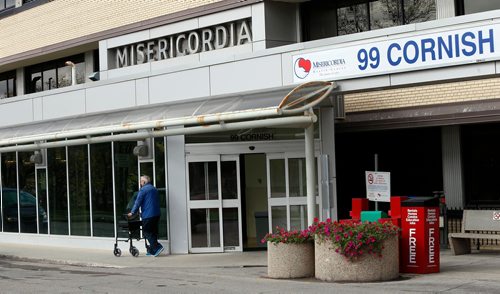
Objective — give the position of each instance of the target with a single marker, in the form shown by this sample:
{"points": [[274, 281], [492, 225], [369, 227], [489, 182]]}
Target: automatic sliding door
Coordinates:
{"points": [[205, 204]]}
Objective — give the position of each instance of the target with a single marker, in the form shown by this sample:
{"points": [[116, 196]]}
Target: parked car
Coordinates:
{"points": [[27, 209]]}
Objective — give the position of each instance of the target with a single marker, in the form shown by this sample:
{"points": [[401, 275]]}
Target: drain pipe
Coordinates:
{"points": [[73, 72]]}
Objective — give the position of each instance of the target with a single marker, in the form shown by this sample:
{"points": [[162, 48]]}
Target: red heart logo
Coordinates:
{"points": [[305, 64]]}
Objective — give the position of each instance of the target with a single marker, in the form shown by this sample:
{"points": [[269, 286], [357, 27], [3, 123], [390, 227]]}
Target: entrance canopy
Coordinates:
{"points": [[251, 110]]}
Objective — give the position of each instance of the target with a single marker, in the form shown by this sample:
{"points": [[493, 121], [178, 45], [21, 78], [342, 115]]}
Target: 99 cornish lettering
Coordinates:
{"points": [[206, 39]]}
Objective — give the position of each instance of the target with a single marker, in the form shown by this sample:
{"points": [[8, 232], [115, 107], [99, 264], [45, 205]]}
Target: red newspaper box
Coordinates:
{"points": [[419, 243]]}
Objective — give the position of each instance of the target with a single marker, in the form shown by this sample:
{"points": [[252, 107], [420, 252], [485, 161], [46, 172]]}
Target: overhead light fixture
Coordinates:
{"points": [[94, 76]]}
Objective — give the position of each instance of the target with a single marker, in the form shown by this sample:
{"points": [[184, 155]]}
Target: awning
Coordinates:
{"points": [[210, 115]]}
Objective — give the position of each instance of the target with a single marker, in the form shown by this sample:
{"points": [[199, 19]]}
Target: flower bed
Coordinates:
{"points": [[355, 251], [289, 254]]}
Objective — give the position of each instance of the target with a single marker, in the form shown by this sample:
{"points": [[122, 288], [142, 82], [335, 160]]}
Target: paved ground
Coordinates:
{"points": [[39, 269]]}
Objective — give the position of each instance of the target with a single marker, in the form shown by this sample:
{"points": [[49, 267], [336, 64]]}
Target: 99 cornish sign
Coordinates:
{"points": [[424, 51], [206, 39]]}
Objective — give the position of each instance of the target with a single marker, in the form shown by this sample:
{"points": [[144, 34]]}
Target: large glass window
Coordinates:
{"points": [[54, 74], [27, 198], [474, 6], [79, 190], [102, 190], [161, 185], [7, 84], [419, 10], [9, 193], [42, 201], [351, 16], [352, 19], [126, 180], [4, 4], [58, 195]]}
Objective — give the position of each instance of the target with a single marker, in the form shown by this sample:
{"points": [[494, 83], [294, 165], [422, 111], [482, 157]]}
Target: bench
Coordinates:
{"points": [[476, 224]]}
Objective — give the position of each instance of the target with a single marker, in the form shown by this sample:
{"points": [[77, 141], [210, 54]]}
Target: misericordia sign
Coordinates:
{"points": [[216, 37]]}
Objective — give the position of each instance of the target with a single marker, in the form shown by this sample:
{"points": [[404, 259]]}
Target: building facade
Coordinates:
{"points": [[95, 94]]}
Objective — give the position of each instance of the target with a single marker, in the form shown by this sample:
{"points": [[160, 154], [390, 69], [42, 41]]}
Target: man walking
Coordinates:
{"points": [[148, 201]]}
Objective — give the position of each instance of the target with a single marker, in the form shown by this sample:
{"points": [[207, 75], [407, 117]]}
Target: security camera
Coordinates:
{"points": [[94, 76], [36, 158], [140, 150], [251, 147]]}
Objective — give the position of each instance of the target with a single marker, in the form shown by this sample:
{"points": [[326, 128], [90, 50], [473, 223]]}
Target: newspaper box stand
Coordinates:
{"points": [[420, 235]]}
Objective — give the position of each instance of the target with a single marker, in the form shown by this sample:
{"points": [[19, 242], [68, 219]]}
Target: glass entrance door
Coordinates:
{"points": [[287, 191], [214, 203]]}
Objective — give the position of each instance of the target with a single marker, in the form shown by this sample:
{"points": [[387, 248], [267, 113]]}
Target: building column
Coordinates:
{"points": [[445, 8], [452, 167], [177, 193], [329, 176]]}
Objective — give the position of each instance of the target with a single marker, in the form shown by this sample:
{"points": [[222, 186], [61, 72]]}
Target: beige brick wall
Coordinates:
{"points": [[423, 95], [63, 20]]}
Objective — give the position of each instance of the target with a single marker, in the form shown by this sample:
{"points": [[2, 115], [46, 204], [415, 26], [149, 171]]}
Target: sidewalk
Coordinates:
{"points": [[480, 265], [105, 258]]}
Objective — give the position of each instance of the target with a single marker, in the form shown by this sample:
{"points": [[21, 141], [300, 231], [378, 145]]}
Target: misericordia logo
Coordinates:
{"points": [[302, 67]]}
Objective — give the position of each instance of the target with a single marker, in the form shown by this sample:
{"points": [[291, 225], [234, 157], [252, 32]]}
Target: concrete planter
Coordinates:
{"points": [[332, 266], [290, 260]]}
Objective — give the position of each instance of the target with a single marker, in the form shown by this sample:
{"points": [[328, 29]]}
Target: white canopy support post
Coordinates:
{"points": [[310, 178]]}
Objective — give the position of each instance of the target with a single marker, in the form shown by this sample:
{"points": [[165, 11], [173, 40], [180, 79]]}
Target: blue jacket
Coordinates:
{"points": [[148, 201]]}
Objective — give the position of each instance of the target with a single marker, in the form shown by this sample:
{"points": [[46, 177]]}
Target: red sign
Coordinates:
{"points": [[419, 240]]}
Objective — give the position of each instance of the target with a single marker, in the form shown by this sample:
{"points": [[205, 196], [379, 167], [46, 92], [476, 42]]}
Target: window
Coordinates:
{"points": [[54, 74], [474, 6], [323, 19], [7, 84], [4, 4]]}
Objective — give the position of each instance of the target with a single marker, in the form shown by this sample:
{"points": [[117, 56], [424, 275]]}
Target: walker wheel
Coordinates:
{"points": [[117, 252], [134, 252]]}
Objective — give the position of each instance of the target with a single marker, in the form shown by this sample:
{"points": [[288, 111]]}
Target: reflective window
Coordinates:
{"points": [[474, 6], [4, 4], [58, 197], [127, 186], [8, 84], [9, 193], [161, 185], [385, 14], [206, 186], [102, 190], [297, 177], [42, 201], [277, 177], [298, 217], [352, 19], [27, 198], [279, 217], [229, 178], [49, 79], [54, 74], [416, 11], [205, 227], [79, 190], [230, 225]]}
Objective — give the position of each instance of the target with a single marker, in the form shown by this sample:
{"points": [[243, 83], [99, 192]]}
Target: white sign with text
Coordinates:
{"points": [[378, 186]]}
